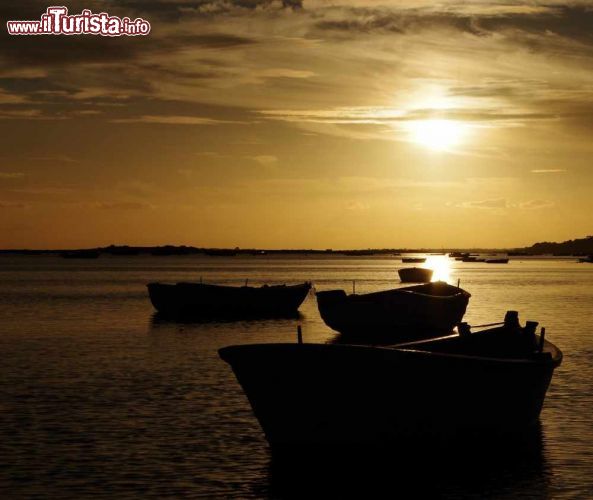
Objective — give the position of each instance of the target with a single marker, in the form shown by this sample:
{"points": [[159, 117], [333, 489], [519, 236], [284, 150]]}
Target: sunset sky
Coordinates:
{"points": [[313, 124]]}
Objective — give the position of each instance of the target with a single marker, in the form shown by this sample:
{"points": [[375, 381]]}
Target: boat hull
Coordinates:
{"points": [[397, 315], [213, 301], [415, 275], [310, 395]]}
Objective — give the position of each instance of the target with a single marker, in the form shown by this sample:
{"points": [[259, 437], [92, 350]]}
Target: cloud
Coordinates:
{"points": [[357, 206], [173, 120], [54, 158], [266, 160], [10, 204], [496, 203], [11, 175], [536, 204], [124, 205], [548, 171]]}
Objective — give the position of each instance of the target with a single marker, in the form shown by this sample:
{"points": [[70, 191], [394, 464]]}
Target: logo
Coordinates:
{"points": [[56, 21]]}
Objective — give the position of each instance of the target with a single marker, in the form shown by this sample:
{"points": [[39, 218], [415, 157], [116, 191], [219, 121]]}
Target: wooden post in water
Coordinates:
{"points": [[458, 282], [353, 287], [246, 281], [299, 334], [542, 338]]}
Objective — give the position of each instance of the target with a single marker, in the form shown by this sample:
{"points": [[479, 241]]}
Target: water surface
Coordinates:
{"points": [[100, 398]]}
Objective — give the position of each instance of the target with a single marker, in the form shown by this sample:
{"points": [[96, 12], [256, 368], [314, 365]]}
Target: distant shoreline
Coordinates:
{"points": [[170, 250]]}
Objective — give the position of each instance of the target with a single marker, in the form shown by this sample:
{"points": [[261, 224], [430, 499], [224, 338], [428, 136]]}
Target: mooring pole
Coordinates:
{"points": [[542, 339], [353, 287], [299, 334]]}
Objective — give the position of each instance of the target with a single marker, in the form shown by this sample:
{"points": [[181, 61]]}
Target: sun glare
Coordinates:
{"points": [[438, 135], [441, 267]]}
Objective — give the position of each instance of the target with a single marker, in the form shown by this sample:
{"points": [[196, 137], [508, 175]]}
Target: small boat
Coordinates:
{"points": [[413, 260], [497, 261], [217, 301], [472, 258], [415, 275], [316, 396], [400, 314], [588, 259], [459, 255]]}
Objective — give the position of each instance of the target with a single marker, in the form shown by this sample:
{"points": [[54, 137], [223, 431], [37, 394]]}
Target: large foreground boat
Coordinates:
{"points": [[205, 300], [485, 383], [399, 315]]}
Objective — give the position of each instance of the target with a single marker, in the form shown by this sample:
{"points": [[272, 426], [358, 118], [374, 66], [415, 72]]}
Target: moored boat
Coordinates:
{"points": [[400, 314], [588, 259], [413, 260], [497, 261], [490, 382], [415, 274], [206, 300]]}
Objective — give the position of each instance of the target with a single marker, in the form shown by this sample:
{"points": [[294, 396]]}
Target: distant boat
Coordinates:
{"points": [[415, 275], [216, 301], [484, 384], [459, 255], [413, 260], [400, 314], [80, 254], [497, 261], [588, 259], [471, 258]]}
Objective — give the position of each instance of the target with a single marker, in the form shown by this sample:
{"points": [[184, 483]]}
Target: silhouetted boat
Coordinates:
{"points": [[80, 254], [588, 259], [487, 383], [400, 314], [459, 255], [497, 261], [472, 258], [205, 300], [413, 260], [415, 275]]}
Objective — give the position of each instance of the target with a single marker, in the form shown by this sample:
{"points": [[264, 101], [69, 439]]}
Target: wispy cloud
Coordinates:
{"points": [[11, 175], [496, 203], [536, 204], [124, 205], [548, 171], [174, 120]]}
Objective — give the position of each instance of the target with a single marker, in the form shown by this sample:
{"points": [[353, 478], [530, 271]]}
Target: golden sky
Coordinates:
{"points": [[313, 124]]}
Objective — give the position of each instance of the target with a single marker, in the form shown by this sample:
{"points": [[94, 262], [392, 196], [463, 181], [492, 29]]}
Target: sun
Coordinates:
{"points": [[438, 135]]}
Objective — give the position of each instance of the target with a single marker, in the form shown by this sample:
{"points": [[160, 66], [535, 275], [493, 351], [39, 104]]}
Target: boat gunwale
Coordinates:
{"points": [[555, 360], [306, 284], [403, 290]]}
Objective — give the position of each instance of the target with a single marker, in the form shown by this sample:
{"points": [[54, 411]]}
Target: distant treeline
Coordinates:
{"points": [[583, 246], [190, 250]]}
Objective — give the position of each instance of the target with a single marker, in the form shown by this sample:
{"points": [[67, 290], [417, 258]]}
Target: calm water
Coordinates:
{"points": [[98, 398]]}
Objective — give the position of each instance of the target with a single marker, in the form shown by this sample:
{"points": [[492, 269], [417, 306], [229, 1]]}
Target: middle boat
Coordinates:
{"points": [[401, 314]]}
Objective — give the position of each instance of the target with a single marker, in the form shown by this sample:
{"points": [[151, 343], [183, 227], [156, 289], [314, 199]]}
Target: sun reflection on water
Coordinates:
{"points": [[441, 266]]}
